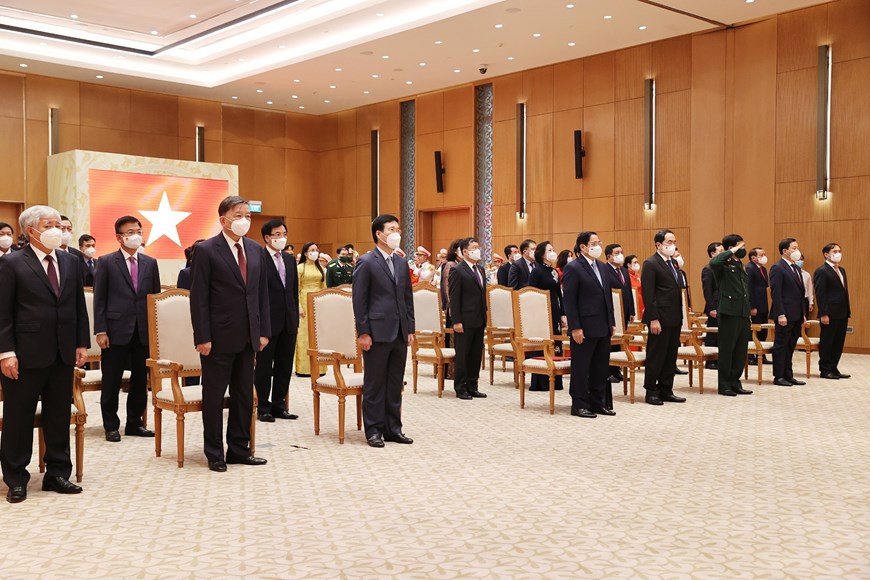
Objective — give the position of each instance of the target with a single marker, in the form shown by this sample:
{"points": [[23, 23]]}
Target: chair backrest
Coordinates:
{"points": [[618, 312], [686, 321], [427, 308], [94, 352], [500, 306], [345, 288], [532, 313], [636, 305], [331, 323], [170, 330]]}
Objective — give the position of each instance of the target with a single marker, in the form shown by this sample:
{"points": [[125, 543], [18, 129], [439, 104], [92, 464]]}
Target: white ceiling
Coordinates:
{"points": [[321, 56]]}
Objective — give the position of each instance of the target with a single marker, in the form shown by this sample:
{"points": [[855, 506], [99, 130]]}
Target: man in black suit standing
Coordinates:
{"points": [[711, 300], [789, 309], [229, 308], [122, 282], [832, 299], [88, 248], [7, 239], [511, 253], [66, 232], [383, 307], [275, 362], [663, 314], [617, 276], [759, 305], [589, 307], [467, 287], [43, 334], [518, 275]]}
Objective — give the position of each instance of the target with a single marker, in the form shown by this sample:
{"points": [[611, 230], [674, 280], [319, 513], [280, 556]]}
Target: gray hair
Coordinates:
{"points": [[30, 217]]}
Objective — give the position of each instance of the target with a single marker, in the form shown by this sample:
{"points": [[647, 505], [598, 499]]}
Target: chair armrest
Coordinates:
{"points": [[77, 398], [813, 323], [330, 354]]}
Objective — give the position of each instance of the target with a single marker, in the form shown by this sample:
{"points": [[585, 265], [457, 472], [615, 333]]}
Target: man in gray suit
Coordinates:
{"points": [[383, 306]]}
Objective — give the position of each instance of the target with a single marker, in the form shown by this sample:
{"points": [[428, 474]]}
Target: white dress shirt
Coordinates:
{"points": [[232, 245], [127, 257]]}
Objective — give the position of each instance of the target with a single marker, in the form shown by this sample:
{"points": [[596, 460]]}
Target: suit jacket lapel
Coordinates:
{"points": [[227, 255], [383, 262], [121, 263], [65, 274], [33, 263]]}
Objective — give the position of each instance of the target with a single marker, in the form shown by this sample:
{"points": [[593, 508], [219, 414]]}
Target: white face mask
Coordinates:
{"points": [[241, 226], [836, 257], [619, 259], [552, 256], [474, 255], [679, 260], [394, 240], [795, 256], [668, 250], [5, 242], [515, 257], [52, 238], [762, 260], [279, 244], [140, 250], [313, 255], [570, 259], [90, 252], [133, 242], [635, 267], [594, 252], [65, 238]]}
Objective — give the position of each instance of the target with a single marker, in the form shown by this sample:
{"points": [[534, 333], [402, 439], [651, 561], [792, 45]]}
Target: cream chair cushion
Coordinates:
{"points": [[446, 353], [764, 345], [813, 341], [427, 312], [501, 313], [535, 314], [690, 351], [335, 325], [192, 394], [541, 364], [506, 348], [350, 379], [175, 331], [95, 377], [623, 358]]}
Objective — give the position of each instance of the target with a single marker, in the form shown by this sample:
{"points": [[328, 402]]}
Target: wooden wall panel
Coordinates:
{"points": [[504, 163], [429, 111], [507, 91], [567, 216], [238, 125], [154, 113], [301, 184], [361, 203], [425, 190], [795, 203], [568, 85], [346, 128], [303, 132], [11, 95], [796, 122], [538, 90], [598, 214], [459, 108], [366, 121], [850, 121], [44, 93], [268, 183], [458, 162], [847, 25], [598, 122], [539, 159], [243, 156], [851, 200], [672, 64], [565, 183], [673, 141], [629, 160], [388, 119], [105, 140], [153, 145], [196, 112], [598, 79], [390, 199], [269, 128], [104, 107], [631, 66], [37, 165], [798, 36]]}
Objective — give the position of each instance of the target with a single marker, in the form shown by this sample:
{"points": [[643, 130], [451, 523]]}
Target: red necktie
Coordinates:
{"points": [[52, 275], [243, 263]]}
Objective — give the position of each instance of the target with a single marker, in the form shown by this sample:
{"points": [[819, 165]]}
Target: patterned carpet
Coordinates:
{"points": [[774, 485]]}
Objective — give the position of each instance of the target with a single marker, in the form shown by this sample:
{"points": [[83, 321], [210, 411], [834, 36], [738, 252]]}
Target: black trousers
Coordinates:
{"points": [[734, 337], [831, 341], [469, 351], [589, 373], [54, 385], [382, 386], [712, 338], [784, 341], [761, 318], [113, 361], [273, 370], [220, 370], [661, 361]]}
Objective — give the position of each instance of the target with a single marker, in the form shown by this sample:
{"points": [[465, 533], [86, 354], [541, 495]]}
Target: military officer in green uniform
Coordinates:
{"points": [[340, 270], [733, 314]]}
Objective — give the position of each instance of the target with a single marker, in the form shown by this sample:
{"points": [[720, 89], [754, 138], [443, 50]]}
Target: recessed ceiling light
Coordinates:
{"points": [[338, 70], [301, 106], [572, 44], [385, 57], [154, 32], [608, 17], [749, 1], [537, 35], [74, 16], [439, 42], [327, 101], [22, 65], [510, 58], [499, 25], [241, 60], [193, 15], [379, 14], [569, 6], [456, 70], [641, 27], [409, 82], [475, 50], [282, 46], [268, 102], [422, 64], [374, 76], [295, 80], [331, 86], [366, 92], [235, 98], [259, 90], [99, 76], [294, 96]]}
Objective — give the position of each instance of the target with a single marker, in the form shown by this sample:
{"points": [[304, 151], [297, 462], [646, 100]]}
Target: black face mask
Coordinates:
{"points": [[345, 259], [741, 253]]}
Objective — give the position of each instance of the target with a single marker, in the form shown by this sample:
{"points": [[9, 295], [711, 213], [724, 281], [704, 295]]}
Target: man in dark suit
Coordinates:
{"points": [[518, 275], [832, 300], [789, 309], [711, 300], [7, 239], [66, 231], [759, 305], [589, 307], [275, 362], [88, 248], [663, 314], [617, 275], [383, 307], [122, 283], [229, 308], [467, 287], [43, 334], [511, 253]]}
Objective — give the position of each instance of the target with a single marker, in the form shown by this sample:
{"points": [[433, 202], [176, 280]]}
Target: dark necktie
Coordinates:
{"points": [[596, 272], [91, 264], [621, 277], [392, 268], [797, 272], [477, 276], [674, 270], [763, 273], [52, 275], [134, 273], [243, 263]]}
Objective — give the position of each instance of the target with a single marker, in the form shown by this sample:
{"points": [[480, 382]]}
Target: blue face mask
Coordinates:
{"points": [[799, 263]]}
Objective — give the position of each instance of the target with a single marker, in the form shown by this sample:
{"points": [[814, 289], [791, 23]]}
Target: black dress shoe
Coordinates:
{"points": [[832, 376], [742, 391], [753, 360], [219, 466], [59, 484], [248, 460], [284, 415], [377, 440], [113, 436], [727, 393], [672, 398], [842, 375], [766, 361], [585, 413], [653, 400], [796, 382], [782, 382], [139, 431], [265, 417], [605, 412], [16, 494], [398, 438], [679, 371], [464, 396], [479, 395], [614, 379], [711, 365]]}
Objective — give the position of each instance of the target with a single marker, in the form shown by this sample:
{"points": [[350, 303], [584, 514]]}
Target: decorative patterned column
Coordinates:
{"points": [[407, 163], [483, 168]]}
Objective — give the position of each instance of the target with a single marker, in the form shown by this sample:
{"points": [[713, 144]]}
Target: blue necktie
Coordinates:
{"points": [[597, 273]]}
